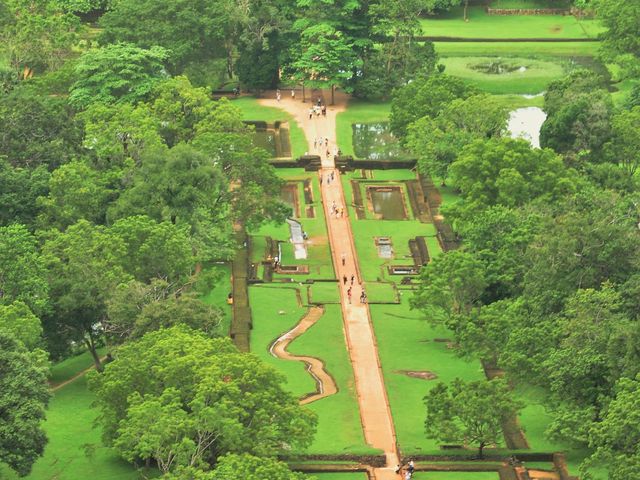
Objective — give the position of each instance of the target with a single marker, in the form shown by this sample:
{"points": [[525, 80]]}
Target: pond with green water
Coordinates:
{"points": [[374, 141]]}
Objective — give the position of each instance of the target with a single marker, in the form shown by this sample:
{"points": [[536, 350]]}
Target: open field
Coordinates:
{"points": [[529, 76], [358, 112], [518, 49], [482, 25], [276, 311], [252, 110]]}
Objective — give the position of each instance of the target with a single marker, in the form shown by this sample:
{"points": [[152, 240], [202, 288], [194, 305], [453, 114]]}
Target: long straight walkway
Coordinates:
{"points": [[375, 413]]}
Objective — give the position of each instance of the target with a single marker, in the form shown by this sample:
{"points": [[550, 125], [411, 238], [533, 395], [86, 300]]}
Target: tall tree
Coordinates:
{"points": [[624, 146], [18, 321], [191, 31], [426, 96], [24, 394], [438, 141], [19, 191], [117, 73], [450, 285], [182, 399], [37, 129], [469, 412], [504, 171], [621, 39], [84, 266], [23, 275], [324, 58], [36, 35]]}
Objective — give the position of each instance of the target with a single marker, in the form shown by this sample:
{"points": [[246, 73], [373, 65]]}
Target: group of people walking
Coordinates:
{"points": [[406, 471]]}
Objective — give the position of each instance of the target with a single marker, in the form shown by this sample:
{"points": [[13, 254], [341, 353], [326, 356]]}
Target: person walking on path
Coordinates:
{"points": [[349, 295], [353, 277], [343, 257], [278, 95], [344, 279], [293, 94], [310, 113]]}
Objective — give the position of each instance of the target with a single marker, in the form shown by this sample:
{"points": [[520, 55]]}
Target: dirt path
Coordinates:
{"points": [[375, 413], [58, 386], [325, 384]]}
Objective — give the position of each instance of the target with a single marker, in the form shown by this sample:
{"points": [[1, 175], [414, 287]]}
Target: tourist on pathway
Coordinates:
{"points": [[363, 298], [310, 113], [321, 177], [315, 143], [412, 466], [324, 110], [293, 94], [344, 258], [344, 279], [278, 96], [326, 142], [332, 175], [349, 295], [353, 277]]}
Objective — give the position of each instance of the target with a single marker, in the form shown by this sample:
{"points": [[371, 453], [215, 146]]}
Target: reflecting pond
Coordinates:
{"points": [[272, 137], [388, 202], [374, 141], [526, 123]]}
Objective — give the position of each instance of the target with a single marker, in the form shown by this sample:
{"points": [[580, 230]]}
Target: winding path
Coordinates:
{"points": [[325, 384], [375, 413]]}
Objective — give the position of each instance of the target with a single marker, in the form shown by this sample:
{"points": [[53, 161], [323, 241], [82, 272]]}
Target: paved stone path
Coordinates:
{"points": [[375, 414]]}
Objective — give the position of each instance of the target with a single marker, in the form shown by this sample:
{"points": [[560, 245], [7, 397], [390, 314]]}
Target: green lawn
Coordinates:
{"points": [[456, 476], [534, 79], [406, 342], [252, 110], [276, 311], [71, 366], [482, 25], [518, 49], [341, 476], [69, 427], [218, 296]]}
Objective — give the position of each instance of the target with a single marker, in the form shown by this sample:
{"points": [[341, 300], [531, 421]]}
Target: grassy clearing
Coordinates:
{"points": [[276, 311], [341, 476], [406, 342], [71, 434], [252, 110], [218, 296], [68, 368], [518, 49], [456, 476], [534, 79], [318, 252], [482, 25]]}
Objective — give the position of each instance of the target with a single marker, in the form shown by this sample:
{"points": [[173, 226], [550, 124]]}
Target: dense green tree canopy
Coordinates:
{"points": [[508, 172], [425, 97], [24, 394], [23, 275], [37, 129], [19, 191], [117, 73], [18, 321], [470, 412], [621, 39], [182, 399], [438, 141]]}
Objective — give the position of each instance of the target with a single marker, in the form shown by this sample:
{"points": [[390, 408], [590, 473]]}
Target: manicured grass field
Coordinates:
{"points": [[276, 311], [252, 110], [482, 25], [518, 49], [456, 476], [534, 79], [406, 342], [341, 476], [218, 296]]}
